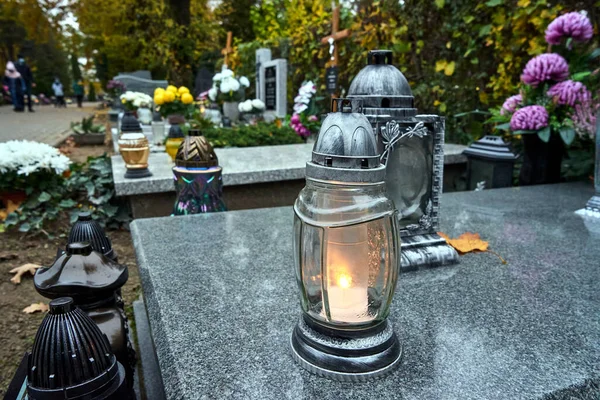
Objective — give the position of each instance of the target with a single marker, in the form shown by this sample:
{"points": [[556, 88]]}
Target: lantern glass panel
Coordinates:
{"points": [[346, 254]]}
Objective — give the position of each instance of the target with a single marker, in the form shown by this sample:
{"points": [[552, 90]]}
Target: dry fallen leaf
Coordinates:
{"points": [[10, 207], [35, 307], [20, 271], [5, 256], [469, 242]]}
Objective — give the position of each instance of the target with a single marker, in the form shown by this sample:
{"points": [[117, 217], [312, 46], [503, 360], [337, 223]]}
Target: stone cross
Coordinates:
{"points": [[228, 49], [335, 36]]}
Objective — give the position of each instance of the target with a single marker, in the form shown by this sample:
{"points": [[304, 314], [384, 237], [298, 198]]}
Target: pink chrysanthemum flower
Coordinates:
{"points": [[573, 25], [530, 118], [569, 93], [510, 105], [545, 67], [584, 117]]}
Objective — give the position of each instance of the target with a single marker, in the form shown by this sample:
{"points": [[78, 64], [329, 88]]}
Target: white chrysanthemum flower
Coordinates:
{"points": [[212, 93], [217, 77], [227, 73], [258, 104], [235, 85], [26, 157], [244, 81], [225, 86]]}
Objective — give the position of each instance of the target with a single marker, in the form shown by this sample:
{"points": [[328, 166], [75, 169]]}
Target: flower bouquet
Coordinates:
{"points": [[115, 88], [134, 100], [174, 101], [27, 166], [252, 110], [226, 87], [555, 104], [304, 120]]}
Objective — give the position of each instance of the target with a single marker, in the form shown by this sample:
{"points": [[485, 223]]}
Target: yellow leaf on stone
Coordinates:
{"points": [[35, 307], [449, 69], [467, 242]]}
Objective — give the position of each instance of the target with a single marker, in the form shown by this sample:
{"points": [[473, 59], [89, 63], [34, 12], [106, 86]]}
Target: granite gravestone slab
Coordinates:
{"points": [[136, 84], [478, 330], [204, 81], [274, 87], [262, 56]]}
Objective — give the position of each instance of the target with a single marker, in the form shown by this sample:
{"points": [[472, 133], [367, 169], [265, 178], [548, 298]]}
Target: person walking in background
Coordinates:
{"points": [[59, 93], [16, 86], [27, 76], [78, 90]]}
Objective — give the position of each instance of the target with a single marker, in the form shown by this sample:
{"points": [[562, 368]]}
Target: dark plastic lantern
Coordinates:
{"points": [[88, 230], [491, 163]]}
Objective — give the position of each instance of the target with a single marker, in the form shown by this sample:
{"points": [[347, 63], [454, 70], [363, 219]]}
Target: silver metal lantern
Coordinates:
{"points": [[414, 160], [592, 208], [346, 248]]}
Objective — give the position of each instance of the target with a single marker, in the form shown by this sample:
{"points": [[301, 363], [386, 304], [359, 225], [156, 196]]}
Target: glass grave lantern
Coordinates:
{"points": [[197, 175], [346, 254], [414, 158], [491, 163], [592, 208], [134, 148]]}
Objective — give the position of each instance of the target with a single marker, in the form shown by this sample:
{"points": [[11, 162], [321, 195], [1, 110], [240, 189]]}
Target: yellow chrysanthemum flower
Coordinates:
{"points": [[172, 89], [168, 96], [183, 90], [159, 98], [187, 98], [159, 90]]}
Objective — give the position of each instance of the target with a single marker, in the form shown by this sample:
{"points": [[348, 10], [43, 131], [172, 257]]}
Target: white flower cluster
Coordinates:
{"points": [[137, 99], [251, 106], [225, 82], [305, 93], [26, 157]]}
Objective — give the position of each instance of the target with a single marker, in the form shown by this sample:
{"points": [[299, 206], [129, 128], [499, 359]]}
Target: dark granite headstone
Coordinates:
{"points": [[270, 88], [204, 81], [140, 81]]}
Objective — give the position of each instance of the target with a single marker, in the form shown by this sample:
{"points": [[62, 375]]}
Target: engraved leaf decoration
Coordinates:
{"points": [[20, 271], [35, 307], [470, 242]]}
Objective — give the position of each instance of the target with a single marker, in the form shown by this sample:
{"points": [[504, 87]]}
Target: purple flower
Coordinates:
{"points": [[584, 117], [571, 25], [569, 93], [313, 118], [545, 67], [510, 105], [530, 118], [295, 119]]}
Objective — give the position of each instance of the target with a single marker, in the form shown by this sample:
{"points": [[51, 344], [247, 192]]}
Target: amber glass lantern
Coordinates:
{"points": [[346, 254]]}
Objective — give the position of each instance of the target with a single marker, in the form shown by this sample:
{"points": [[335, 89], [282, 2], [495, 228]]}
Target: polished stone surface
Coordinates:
{"points": [[222, 301], [241, 166]]}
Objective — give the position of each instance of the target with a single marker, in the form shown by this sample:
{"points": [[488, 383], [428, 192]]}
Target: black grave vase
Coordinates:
{"points": [[541, 160]]}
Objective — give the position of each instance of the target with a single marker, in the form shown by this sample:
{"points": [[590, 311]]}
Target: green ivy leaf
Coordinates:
{"points": [[493, 3], [595, 53], [567, 134], [544, 134], [44, 196], [523, 132], [25, 227], [67, 203], [503, 127], [581, 75], [91, 189], [486, 29], [440, 3]]}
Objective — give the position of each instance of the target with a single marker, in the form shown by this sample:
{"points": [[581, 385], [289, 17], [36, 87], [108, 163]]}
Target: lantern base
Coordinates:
{"points": [[346, 356], [592, 208], [137, 173]]}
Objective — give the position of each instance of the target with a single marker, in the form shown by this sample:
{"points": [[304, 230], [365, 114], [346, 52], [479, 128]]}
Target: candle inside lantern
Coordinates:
{"points": [[347, 270]]}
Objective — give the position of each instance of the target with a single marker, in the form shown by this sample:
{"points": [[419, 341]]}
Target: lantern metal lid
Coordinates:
{"points": [[88, 230], [130, 124], [346, 148], [82, 273], [491, 148], [175, 132], [85, 368], [382, 87], [196, 152]]}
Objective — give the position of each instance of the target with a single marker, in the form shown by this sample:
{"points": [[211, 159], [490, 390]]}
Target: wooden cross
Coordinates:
{"points": [[335, 35], [227, 50]]}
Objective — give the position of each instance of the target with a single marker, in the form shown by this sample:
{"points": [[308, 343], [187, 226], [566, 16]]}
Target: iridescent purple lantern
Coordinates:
{"points": [[198, 179]]}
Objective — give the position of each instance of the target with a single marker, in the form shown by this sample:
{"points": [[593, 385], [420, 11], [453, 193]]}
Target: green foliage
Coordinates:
{"points": [[262, 134], [91, 92], [87, 126], [75, 70], [89, 187]]}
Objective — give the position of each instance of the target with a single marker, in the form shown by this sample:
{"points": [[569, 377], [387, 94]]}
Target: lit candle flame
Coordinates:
{"points": [[344, 281]]}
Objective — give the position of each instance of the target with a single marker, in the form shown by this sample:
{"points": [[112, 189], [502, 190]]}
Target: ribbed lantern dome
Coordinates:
{"points": [[196, 152], [382, 86], [88, 230], [81, 273], [130, 124], [175, 132], [71, 358]]}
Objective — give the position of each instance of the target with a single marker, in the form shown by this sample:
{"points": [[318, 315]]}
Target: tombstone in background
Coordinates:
{"points": [[262, 56], [274, 88], [142, 73], [137, 84], [203, 81]]}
